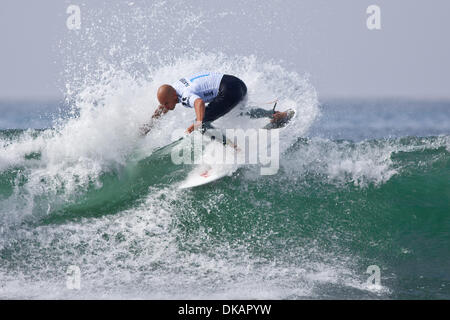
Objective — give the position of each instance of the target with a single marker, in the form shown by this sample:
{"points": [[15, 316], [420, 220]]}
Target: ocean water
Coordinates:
{"points": [[362, 182]]}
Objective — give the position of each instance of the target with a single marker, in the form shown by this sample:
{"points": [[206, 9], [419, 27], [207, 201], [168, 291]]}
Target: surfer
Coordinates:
{"points": [[222, 92]]}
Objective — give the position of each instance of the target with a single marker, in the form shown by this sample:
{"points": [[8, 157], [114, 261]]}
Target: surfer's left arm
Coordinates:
{"points": [[157, 114], [199, 106]]}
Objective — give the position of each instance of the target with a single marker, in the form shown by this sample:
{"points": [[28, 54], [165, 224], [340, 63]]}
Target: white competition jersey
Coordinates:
{"points": [[203, 85]]}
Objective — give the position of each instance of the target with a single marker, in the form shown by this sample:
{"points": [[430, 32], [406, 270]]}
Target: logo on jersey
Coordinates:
{"points": [[184, 81], [185, 101]]}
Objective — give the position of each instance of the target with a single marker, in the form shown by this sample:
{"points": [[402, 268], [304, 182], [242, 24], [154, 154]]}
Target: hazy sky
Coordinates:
{"points": [[408, 57]]}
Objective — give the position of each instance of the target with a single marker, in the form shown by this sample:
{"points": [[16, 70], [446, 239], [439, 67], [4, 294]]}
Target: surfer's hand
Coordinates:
{"points": [[190, 129], [195, 126]]}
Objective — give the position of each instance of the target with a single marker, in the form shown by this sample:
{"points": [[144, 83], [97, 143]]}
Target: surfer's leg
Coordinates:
{"points": [[278, 119], [232, 90], [256, 113]]}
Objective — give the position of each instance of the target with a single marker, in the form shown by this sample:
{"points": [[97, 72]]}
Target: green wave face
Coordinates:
{"points": [[333, 209]]}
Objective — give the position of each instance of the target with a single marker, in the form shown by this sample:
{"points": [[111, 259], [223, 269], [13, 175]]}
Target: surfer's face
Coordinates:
{"points": [[170, 102]]}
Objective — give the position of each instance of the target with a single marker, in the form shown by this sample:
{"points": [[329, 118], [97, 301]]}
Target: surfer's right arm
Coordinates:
{"points": [[199, 106]]}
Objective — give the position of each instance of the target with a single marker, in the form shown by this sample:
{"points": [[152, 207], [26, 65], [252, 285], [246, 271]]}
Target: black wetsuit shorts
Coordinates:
{"points": [[232, 90]]}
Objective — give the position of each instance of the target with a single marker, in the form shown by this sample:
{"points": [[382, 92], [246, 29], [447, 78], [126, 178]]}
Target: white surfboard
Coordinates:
{"points": [[203, 175], [210, 170], [206, 173]]}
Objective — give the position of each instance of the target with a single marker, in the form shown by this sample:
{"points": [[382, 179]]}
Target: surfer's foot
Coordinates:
{"points": [[279, 117]]}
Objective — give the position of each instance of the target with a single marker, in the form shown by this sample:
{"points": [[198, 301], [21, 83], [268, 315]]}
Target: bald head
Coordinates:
{"points": [[167, 96], [165, 92]]}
